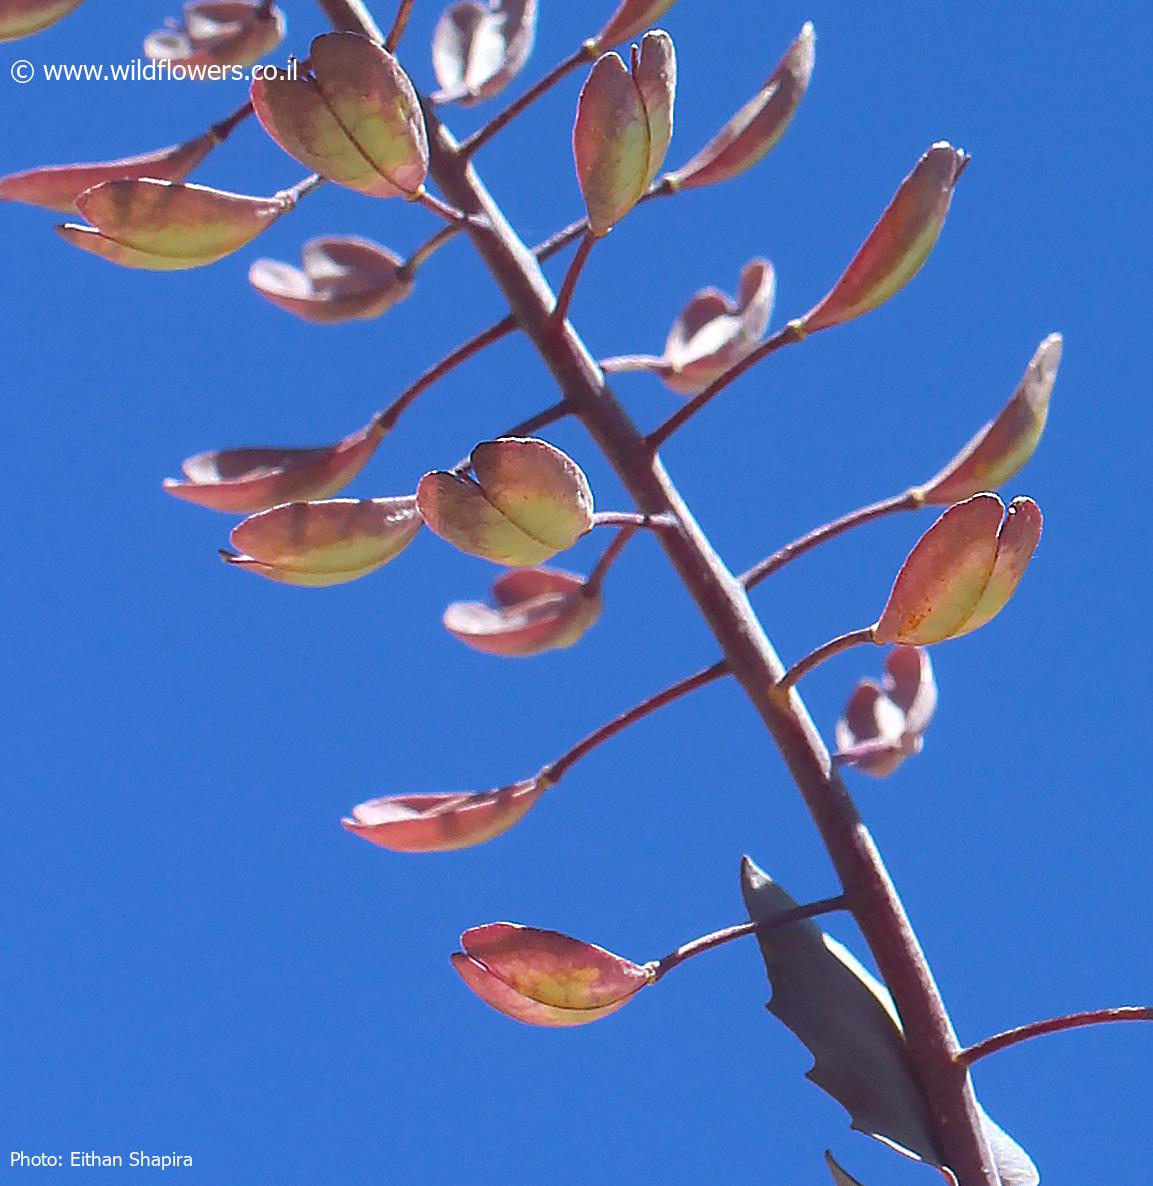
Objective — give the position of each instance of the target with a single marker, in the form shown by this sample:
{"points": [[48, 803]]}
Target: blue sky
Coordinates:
{"points": [[200, 960]]}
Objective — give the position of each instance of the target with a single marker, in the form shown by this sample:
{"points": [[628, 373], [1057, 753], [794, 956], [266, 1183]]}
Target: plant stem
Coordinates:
{"points": [[458, 218], [561, 70], [835, 646], [429, 247], [620, 364], [784, 337], [687, 951], [540, 420], [561, 239], [222, 129], [351, 16], [301, 189], [930, 1040], [555, 771], [386, 420], [911, 500], [564, 300], [596, 578], [629, 519], [1053, 1025], [398, 26]]}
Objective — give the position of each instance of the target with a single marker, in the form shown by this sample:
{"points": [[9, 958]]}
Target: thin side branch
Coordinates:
{"points": [[835, 646], [387, 419], [687, 951], [596, 578], [222, 129], [429, 247], [400, 22], [568, 288], [911, 500], [556, 770], [1053, 1025], [560, 71], [785, 337], [557, 242]]}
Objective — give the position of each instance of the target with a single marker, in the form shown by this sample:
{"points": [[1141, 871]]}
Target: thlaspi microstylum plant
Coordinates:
{"points": [[884, 1048]]}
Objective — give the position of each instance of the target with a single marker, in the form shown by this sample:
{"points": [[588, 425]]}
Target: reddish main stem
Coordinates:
{"points": [[1053, 1025], [877, 909]]}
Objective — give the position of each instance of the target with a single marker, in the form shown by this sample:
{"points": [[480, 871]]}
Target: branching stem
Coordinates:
{"points": [[660, 968], [1053, 1025], [556, 770], [911, 500], [560, 71], [930, 1040]]}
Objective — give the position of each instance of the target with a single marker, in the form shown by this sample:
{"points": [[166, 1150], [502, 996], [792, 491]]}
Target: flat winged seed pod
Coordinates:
{"points": [[623, 126], [324, 543], [168, 226], [354, 118], [898, 245], [754, 131], [543, 977], [22, 18], [245, 481], [219, 33], [999, 451], [528, 502], [478, 48], [56, 187], [962, 572], [537, 610], [443, 823], [342, 278], [713, 332], [885, 724], [631, 17]]}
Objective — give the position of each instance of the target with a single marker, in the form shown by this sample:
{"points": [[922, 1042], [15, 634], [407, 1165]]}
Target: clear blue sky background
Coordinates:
{"points": [[198, 959]]}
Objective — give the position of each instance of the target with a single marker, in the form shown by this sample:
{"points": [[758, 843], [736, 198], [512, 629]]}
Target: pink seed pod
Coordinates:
{"points": [[318, 544], [446, 822], [543, 977], [354, 117], [245, 481], [962, 572], [528, 502], [624, 123], [218, 33], [342, 278], [167, 226]]}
